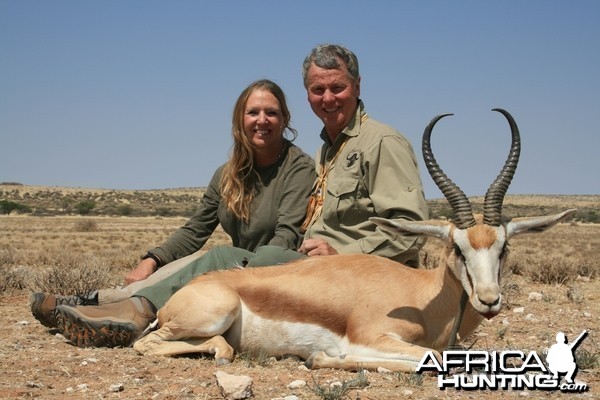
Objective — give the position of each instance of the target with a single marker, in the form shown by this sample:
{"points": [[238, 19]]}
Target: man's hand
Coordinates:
{"points": [[316, 247], [144, 269]]}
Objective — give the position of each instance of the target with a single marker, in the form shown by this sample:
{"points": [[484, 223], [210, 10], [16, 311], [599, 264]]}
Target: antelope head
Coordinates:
{"points": [[477, 243]]}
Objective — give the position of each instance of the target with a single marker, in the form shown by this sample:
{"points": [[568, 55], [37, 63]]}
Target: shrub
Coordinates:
{"points": [[6, 207], [588, 215], [589, 267], [85, 207], [551, 270], [339, 390], [587, 359], [163, 212], [13, 279], [86, 225], [124, 210], [90, 274]]}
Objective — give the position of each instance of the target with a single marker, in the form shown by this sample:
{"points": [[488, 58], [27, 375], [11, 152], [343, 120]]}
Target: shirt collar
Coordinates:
{"points": [[353, 127]]}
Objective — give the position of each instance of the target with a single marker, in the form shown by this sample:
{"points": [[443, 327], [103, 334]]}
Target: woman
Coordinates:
{"points": [[258, 196]]}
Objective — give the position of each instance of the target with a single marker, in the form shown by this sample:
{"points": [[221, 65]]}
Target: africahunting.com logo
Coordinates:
{"points": [[509, 369]]}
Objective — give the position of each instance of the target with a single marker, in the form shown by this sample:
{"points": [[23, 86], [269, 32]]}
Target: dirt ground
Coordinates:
{"points": [[37, 363]]}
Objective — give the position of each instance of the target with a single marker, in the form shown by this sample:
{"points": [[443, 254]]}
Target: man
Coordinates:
{"points": [[365, 169]]}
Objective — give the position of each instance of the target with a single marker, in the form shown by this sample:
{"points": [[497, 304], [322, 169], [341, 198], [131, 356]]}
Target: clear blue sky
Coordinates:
{"points": [[139, 94]]}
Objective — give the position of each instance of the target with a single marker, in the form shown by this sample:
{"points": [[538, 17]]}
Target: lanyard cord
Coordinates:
{"points": [[317, 198]]}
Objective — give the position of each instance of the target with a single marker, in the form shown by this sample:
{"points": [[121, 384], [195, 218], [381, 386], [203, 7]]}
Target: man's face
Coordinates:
{"points": [[333, 97]]}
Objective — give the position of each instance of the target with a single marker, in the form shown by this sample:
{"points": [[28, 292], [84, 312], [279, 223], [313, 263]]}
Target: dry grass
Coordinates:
{"points": [[69, 254], [73, 254]]}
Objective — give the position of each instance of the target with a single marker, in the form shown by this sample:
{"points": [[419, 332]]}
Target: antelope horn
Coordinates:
{"points": [[457, 199], [492, 205]]}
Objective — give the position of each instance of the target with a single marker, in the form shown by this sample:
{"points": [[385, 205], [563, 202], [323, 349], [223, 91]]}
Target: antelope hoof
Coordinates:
{"points": [[222, 361], [310, 361]]}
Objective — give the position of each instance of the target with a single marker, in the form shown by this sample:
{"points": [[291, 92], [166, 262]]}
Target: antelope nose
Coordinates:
{"points": [[489, 295]]}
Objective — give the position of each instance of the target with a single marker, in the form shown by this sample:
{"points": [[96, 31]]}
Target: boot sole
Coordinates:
{"points": [[83, 332]]}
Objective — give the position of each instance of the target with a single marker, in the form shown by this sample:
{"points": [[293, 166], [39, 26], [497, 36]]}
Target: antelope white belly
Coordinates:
{"points": [[254, 333]]}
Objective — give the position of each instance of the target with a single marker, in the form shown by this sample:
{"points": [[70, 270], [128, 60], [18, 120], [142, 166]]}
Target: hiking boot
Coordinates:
{"points": [[43, 305], [109, 325]]}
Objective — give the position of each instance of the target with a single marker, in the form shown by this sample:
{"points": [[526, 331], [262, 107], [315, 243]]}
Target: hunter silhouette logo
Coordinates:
{"points": [[510, 369], [561, 356]]}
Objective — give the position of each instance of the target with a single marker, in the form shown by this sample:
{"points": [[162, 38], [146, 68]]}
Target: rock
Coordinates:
{"points": [[297, 384], [61, 337], [83, 387], [234, 387], [118, 387], [535, 296], [519, 310]]}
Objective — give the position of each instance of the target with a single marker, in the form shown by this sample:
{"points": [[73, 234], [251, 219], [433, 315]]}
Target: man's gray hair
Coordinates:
{"points": [[331, 56]]}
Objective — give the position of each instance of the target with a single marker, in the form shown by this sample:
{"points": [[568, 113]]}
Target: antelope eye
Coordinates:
{"points": [[458, 252]]}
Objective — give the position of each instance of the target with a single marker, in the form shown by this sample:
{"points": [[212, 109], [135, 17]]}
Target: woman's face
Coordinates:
{"points": [[333, 97], [263, 120]]}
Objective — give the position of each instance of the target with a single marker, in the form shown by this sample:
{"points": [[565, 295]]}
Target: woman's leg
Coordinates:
{"points": [[222, 257], [114, 295]]}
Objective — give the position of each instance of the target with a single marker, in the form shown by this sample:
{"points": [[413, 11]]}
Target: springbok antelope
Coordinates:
{"points": [[355, 311]]}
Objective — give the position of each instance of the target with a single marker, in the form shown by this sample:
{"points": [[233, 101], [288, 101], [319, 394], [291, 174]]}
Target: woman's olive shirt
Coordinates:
{"points": [[276, 213]]}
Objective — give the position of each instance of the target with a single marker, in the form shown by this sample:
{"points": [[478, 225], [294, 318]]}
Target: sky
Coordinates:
{"points": [[128, 94]]}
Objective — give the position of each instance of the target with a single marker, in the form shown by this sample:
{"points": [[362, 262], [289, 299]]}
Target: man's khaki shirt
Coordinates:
{"points": [[375, 174]]}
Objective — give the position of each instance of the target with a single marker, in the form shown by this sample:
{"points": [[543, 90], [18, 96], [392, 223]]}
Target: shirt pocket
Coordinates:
{"points": [[341, 203]]}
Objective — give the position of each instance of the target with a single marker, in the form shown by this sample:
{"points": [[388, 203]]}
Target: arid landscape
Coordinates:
{"points": [[67, 240]]}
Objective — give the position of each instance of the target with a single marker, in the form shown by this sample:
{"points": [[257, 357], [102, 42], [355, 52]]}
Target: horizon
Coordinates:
{"points": [[194, 188]]}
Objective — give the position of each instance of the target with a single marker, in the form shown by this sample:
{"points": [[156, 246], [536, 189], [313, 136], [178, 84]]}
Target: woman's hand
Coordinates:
{"points": [[144, 269]]}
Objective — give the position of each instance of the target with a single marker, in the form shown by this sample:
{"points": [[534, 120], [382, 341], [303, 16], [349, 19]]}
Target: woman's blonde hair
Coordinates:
{"points": [[239, 179]]}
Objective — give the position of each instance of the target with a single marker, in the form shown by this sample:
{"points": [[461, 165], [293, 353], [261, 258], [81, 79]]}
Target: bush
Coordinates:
{"points": [[551, 270], [124, 211], [85, 207], [163, 212], [86, 225], [590, 216], [90, 275], [6, 207]]}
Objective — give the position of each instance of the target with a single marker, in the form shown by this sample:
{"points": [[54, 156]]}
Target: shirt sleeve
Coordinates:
{"points": [[392, 178], [197, 230], [297, 185]]}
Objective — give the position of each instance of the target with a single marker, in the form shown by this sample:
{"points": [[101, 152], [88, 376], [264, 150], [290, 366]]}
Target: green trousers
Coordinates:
{"points": [[218, 258]]}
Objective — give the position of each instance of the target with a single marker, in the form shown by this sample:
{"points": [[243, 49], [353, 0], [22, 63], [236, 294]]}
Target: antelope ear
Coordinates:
{"points": [[536, 224], [440, 230]]}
